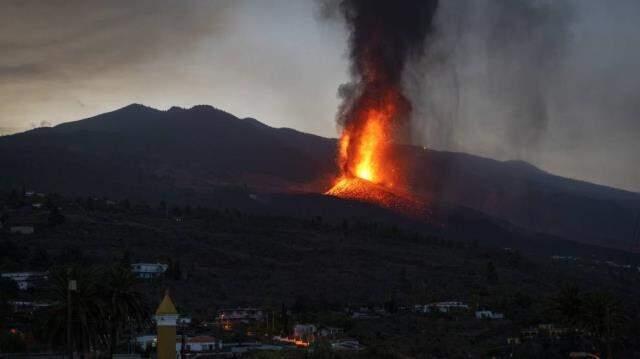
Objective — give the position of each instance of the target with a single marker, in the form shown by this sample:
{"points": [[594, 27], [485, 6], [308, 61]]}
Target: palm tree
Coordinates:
{"points": [[83, 302], [602, 318], [103, 305], [568, 303], [123, 307]]}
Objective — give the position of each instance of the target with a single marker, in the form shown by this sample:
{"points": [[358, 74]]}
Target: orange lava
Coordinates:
{"points": [[358, 189], [370, 170]]}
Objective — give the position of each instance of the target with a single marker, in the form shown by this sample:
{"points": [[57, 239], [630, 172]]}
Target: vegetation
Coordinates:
{"points": [[308, 269], [103, 302]]}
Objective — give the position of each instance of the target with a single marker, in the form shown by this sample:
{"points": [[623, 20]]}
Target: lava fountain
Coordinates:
{"points": [[375, 112]]}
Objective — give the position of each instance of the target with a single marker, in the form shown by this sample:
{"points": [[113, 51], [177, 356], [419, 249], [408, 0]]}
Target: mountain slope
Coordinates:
{"points": [[206, 156]]}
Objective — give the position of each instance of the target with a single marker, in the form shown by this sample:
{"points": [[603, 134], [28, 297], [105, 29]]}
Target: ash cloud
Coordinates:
{"points": [[497, 59], [548, 82], [384, 37]]}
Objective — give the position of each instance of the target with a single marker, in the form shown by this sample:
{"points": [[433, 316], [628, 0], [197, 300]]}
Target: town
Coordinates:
{"points": [[39, 283]]}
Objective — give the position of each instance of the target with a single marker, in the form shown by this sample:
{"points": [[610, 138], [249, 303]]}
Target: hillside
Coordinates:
{"points": [[206, 156]]}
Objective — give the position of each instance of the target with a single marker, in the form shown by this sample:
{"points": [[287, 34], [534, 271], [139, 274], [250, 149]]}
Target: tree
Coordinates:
{"points": [[602, 317], [55, 217], [568, 303], [321, 349], [103, 305], [492, 274], [123, 307], [84, 303]]}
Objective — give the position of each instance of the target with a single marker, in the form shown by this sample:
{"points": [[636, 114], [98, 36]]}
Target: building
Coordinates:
{"points": [[442, 307], [304, 331], [230, 317], [184, 321], [487, 314], [201, 343], [330, 332], [27, 307], [166, 318], [513, 340], [146, 341], [346, 345], [148, 270], [21, 229], [27, 280]]}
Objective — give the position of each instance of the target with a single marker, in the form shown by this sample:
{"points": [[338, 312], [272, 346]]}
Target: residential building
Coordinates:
{"points": [[201, 343], [330, 332], [148, 270], [442, 307], [21, 229], [487, 314], [228, 317], [304, 331], [26, 280], [346, 345]]}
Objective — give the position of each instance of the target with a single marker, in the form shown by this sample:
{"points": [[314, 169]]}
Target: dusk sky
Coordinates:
{"points": [[554, 83]]}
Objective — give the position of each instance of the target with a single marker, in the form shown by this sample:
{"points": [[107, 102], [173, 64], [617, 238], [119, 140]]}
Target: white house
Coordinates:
{"points": [[26, 280], [330, 332], [28, 307], [148, 270], [21, 229], [304, 331], [487, 314], [346, 345], [239, 315], [145, 341], [442, 307], [201, 343]]}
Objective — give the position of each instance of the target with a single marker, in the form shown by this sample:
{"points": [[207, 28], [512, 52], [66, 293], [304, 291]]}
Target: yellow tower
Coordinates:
{"points": [[166, 319]]}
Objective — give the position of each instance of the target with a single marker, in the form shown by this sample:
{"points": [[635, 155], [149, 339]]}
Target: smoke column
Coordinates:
{"points": [[384, 37]]}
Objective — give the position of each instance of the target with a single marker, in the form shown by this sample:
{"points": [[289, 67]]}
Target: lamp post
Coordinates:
{"points": [[72, 286]]}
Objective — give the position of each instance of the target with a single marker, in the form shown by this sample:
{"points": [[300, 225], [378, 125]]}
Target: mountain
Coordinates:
{"points": [[203, 155]]}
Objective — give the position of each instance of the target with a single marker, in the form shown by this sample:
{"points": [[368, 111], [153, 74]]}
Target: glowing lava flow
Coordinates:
{"points": [[365, 155]]}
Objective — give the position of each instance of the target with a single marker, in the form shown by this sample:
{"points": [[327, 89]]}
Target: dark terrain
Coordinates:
{"points": [[317, 266], [204, 156]]}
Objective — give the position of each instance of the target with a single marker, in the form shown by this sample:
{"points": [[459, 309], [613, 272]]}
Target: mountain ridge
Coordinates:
{"points": [[193, 155]]}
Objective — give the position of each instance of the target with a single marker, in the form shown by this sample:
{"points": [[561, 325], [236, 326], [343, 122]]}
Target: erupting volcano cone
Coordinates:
{"points": [[358, 189]]}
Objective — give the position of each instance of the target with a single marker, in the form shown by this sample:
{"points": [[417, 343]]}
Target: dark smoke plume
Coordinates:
{"points": [[384, 37]]}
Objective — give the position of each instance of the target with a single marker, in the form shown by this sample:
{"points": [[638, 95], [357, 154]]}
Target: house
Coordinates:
{"points": [[184, 321], [228, 317], [552, 331], [442, 307], [487, 314], [513, 340], [304, 331], [21, 229], [529, 333], [201, 343], [330, 332], [26, 280], [346, 345], [27, 307], [148, 270], [146, 341]]}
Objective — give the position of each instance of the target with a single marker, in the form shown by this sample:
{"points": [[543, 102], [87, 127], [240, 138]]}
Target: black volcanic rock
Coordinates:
{"points": [[206, 156]]}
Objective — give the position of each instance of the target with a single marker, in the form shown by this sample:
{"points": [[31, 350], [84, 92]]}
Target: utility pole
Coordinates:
{"points": [[71, 286]]}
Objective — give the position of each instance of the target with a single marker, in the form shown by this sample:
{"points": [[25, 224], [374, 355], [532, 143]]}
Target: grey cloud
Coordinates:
{"points": [[550, 82], [59, 37]]}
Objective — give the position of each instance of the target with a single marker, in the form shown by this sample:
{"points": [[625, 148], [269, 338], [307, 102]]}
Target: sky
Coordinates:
{"points": [[554, 83]]}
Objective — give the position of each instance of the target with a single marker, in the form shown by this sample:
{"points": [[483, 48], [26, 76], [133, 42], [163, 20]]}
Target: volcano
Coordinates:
{"points": [[358, 189], [375, 113]]}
